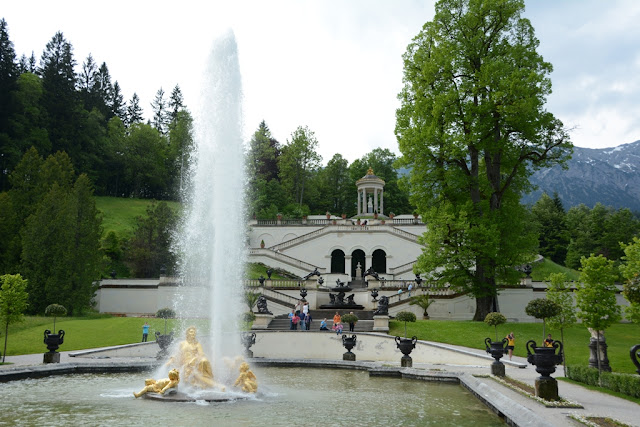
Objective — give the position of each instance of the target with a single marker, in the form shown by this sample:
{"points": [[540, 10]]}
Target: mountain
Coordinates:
{"points": [[610, 176]]}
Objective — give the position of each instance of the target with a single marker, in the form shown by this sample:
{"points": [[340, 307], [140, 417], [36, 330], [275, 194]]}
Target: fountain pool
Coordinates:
{"points": [[288, 396]]}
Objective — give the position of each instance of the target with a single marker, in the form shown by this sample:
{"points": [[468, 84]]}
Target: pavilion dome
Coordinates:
{"points": [[370, 178]]}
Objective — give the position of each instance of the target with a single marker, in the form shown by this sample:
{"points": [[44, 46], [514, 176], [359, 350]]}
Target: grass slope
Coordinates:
{"points": [[119, 214]]}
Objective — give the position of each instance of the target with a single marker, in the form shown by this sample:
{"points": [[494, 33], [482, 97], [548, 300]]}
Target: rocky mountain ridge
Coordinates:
{"points": [[610, 176]]}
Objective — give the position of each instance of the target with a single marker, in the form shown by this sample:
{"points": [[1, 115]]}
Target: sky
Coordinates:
{"points": [[336, 65]]}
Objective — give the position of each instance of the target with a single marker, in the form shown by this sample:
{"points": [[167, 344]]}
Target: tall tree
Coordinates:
{"points": [[176, 104], [298, 161], [8, 85], [338, 187], [118, 106], [160, 119], [262, 169], [549, 216], [87, 82], [150, 246], [134, 111], [104, 91], [60, 98], [473, 128]]}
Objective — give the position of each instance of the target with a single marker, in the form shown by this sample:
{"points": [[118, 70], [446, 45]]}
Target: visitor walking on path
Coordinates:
{"points": [[307, 321], [145, 332], [511, 343], [294, 321], [352, 325], [293, 313]]}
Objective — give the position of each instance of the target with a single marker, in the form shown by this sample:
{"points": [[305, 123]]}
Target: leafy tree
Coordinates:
{"points": [[405, 316], [60, 254], [560, 293], [542, 308], [630, 270], [13, 303], [144, 168], [55, 310], [495, 319], [9, 229], [337, 187], [181, 145], [599, 231], [596, 295], [549, 215], [298, 161], [473, 127], [150, 246]]}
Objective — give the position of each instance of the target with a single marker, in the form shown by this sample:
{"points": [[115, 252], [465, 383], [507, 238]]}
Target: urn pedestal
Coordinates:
{"points": [[53, 341], [381, 323], [635, 356], [406, 346], [545, 360], [496, 350], [349, 343]]}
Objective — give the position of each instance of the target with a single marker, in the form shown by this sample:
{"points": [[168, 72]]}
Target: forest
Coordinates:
{"points": [[67, 135]]}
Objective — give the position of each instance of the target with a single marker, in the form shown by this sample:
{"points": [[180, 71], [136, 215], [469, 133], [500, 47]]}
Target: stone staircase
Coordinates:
{"points": [[365, 324]]}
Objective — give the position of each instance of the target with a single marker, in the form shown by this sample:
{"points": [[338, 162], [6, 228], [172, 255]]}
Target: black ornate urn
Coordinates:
{"points": [[269, 273], [496, 350], [545, 360], [261, 279], [53, 341], [303, 294], [349, 343], [635, 356], [374, 294], [406, 346], [164, 341], [248, 339]]}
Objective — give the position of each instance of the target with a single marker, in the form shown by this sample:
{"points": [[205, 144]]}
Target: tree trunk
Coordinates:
{"points": [[483, 307]]}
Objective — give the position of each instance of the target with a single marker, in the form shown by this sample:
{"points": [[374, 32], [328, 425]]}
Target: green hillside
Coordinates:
{"points": [[119, 214]]}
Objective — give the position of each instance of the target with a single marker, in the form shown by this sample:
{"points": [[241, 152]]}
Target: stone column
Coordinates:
{"points": [[347, 265], [381, 202], [359, 200], [375, 200]]}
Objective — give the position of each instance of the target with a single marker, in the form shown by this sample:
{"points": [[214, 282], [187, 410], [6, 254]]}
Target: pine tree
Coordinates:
{"points": [[176, 104], [160, 113], [134, 111], [117, 106]]}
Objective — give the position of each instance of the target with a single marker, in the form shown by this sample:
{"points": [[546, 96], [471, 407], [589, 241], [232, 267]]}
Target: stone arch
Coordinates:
{"points": [[289, 236], [268, 239], [379, 261], [357, 256], [337, 261]]}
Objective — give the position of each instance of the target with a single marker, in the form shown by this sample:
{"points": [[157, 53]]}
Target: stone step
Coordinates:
{"points": [[283, 325]]}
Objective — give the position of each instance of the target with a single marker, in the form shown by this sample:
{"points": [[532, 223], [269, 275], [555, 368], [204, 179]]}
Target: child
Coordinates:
{"points": [[338, 328], [323, 325]]}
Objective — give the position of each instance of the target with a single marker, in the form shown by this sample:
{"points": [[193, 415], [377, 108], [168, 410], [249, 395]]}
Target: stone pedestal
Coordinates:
{"points": [[593, 358], [547, 388], [262, 321], [497, 369], [349, 356], [406, 362], [381, 323], [51, 358]]}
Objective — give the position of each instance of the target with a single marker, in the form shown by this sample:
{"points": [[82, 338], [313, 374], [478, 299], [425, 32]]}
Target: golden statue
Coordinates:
{"points": [[160, 386], [194, 367], [247, 380]]}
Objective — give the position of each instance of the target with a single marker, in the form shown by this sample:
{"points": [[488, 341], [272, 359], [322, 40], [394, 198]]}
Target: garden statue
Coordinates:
{"points": [[383, 306], [190, 360], [160, 386], [262, 305], [247, 381]]}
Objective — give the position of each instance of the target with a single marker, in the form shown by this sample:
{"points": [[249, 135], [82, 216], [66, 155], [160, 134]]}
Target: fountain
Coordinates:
{"points": [[210, 242]]}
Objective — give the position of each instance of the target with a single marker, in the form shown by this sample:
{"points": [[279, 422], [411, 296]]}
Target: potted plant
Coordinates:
{"points": [[496, 348], [53, 340], [164, 341], [344, 216], [391, 215], [375, 214], [423, 301], [262, 243], [406, 345], [544, 358], [328, 215]]}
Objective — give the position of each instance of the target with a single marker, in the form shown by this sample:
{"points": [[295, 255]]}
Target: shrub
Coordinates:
{"points": [[248, 316], [542, 308], [166, 313], [623, 383], [55, 310], [349, 318]]}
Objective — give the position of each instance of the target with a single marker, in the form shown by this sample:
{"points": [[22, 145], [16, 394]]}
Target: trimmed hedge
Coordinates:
{"points": [[623, 383]]}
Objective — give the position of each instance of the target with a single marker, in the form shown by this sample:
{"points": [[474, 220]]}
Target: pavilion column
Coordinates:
{"points": [[347, 265], [382, 202], [375, 200], [359, 200]]}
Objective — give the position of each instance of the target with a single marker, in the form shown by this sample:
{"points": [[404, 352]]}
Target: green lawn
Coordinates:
{"points": [[82, 333], [620, 338]]}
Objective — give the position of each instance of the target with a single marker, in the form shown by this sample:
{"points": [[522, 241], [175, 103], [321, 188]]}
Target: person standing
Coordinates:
{"points": [[352, 325], [511, 343], [294, 321], [336, 319], [293, 313], [410, 288], [303, 324], [549, 341], [145, 332], [307, 321]]}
